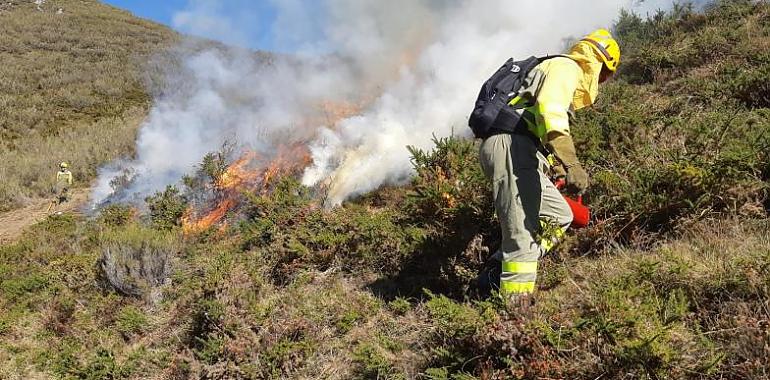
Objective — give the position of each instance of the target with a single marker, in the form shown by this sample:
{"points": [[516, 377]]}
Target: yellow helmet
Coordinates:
{"points": [[607, 47], [64, 165]]}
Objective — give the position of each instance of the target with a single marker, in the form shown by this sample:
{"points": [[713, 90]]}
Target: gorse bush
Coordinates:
{"points": [[293, 232], [449, 184], [167, 208], [131, 321], [451, 200], [117, 215]]}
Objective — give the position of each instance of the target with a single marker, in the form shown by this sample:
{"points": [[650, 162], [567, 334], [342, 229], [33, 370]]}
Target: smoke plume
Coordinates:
{"points": [[366, 78]]}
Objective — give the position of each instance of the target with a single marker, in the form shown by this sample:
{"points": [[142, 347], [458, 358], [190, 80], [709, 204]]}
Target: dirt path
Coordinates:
{"points": [[13, 223]]}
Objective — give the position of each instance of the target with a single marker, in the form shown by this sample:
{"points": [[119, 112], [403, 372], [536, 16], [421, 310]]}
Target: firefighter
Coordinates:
{"points": [[63, 184], [533, 214]]}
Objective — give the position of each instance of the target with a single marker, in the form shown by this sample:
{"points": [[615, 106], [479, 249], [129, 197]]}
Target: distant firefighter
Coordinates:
{"points": [[63, 184]]}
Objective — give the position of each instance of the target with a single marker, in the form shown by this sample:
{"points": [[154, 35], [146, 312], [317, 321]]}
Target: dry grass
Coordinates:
{"points": [[72, 90], [30, 173]]}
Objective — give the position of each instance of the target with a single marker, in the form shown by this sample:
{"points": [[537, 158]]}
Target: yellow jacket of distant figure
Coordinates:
{"points": [[64, 178], [557, 86]]}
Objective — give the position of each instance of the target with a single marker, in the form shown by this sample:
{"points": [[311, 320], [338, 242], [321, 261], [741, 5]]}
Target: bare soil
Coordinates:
{"points": [[13, 223]]}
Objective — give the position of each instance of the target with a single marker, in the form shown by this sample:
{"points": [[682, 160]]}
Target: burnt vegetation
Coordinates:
{"points": [[670, 281]]}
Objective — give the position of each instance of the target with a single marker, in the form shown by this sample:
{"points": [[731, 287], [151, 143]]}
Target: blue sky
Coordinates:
{"points": [[160, 11], [248, 23]]}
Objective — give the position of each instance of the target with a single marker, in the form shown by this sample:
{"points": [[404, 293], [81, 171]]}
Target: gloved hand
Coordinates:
{"points": [[558, 171], [563, 148], [577, 179]]}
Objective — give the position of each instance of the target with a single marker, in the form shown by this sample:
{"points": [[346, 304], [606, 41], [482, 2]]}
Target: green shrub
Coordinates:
{"points": [[167, 208], [453, 321], [294, 232], [282, 356], [117, 215], [205, 335], [452, 200], [131, 321], [372, 364], [215, 164], [102, 365], [449, 185], [400, 305], [15, 288], [58, 225], [348, 321]]}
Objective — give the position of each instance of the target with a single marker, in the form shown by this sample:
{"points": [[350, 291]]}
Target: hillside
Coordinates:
{"points": [[671, 280], [73, 89]]}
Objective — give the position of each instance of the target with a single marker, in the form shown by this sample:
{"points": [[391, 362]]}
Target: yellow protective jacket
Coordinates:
{"points": [[557, 86], [63, 178]]}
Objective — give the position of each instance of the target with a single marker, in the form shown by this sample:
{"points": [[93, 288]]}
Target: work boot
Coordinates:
{"points": [[519, 303], [489, 278]]}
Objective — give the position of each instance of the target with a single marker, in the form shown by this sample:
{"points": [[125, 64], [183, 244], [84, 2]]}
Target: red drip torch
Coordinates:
{"points": [[581, 213]]}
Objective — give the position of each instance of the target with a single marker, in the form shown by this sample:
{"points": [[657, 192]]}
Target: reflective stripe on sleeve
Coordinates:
{"points": [[515, 101]]}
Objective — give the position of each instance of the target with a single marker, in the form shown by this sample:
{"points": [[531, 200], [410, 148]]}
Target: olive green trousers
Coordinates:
{"points": [[527, 203]]}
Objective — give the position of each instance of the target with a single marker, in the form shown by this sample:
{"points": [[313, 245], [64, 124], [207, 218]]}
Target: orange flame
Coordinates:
{"points": [[237, 174], [212, 217], [249, 173], [245, 174]]}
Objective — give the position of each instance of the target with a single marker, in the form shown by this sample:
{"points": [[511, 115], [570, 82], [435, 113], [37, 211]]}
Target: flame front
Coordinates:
{"points": [[249, 173], [253, 173], [237, 174], [192, 225]]}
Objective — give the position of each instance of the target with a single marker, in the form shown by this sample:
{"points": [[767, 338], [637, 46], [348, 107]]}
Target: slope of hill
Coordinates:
{"points": [[72, 89], [671, 281]]}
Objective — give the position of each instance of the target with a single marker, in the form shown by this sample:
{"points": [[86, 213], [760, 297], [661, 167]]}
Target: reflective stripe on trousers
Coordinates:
{"points": [[521, 277]]}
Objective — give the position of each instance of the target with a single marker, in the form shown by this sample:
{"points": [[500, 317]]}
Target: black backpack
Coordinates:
{"points": [[492, 115]]}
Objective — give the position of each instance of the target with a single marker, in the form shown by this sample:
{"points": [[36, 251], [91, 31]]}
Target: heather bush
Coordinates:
{"points": [[136, 260]]}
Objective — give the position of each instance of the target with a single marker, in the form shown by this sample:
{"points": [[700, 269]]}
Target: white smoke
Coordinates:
{"points": [[414, 65], [467, 41]]}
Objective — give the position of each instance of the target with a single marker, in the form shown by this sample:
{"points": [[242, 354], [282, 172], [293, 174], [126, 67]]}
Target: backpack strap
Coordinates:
{"points": [[550, 56]]}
